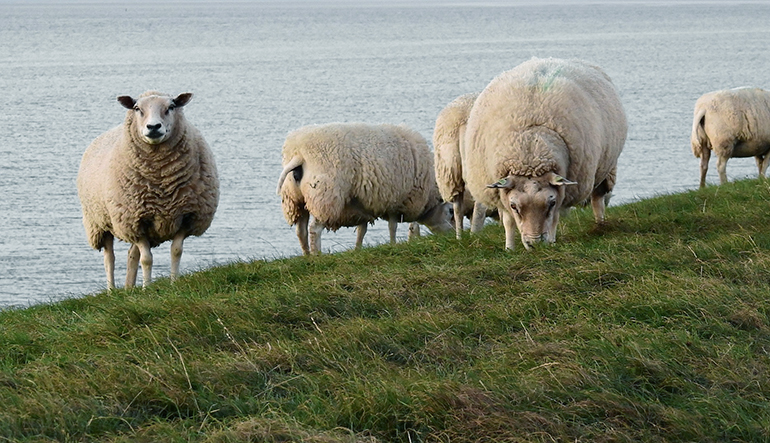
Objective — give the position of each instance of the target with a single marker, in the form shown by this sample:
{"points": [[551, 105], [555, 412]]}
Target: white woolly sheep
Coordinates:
{"points": [[531, 127], [732, 123], [349, 174], [146, 181], [448, 136]]}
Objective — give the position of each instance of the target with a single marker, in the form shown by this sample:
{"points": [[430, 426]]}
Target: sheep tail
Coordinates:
{"points": [[698, 139], [293, 164]]}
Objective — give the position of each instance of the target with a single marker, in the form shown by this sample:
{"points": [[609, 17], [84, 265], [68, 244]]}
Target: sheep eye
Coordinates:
{"points": [[514, 208]]}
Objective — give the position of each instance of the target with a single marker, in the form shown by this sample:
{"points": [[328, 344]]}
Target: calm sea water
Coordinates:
{"points": [[260, 70]]}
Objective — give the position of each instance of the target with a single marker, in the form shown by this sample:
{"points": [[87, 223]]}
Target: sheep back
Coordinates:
{"points": [[354, 173], [571, 105]]}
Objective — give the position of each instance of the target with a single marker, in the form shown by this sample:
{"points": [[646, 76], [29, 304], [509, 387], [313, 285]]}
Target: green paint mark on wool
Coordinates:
{"points": [[549, 81]]}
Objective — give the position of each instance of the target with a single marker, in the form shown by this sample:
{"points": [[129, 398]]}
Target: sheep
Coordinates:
{"points": [[349, 174], [448, 135], [734, 123], [541, 138], [146, 181]]}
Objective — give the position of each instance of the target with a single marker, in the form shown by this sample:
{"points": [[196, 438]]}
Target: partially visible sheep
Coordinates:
{"points": [[531, 127], [448, 138], [146, 181], [349, 174], [732, 123]]}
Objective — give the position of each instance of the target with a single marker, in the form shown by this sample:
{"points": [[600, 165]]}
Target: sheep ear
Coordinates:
{"points": [[182, 99], [558, 180], [127, 101], [505, 183]]}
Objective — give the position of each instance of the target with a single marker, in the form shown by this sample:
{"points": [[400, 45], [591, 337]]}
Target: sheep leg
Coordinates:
{"points": [[705, 156], [392, 226], [599, 200], [315, 231], [145, 258], [722, 169], [762, 162], [176, 254], [132, 265], [360, 232], [302, 233], [477, 220], [109, 260], [509, 223], [457, 206], [414, 231], [597, 204]]}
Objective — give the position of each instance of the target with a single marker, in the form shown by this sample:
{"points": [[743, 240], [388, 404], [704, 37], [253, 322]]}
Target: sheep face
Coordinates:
{"points": [[155, 115], [534, 203]]}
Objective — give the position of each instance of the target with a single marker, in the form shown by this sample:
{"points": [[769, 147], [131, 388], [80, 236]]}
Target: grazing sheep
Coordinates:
{"points": [[541, 138], [734, 123], [448, 136], [349, 174], [148, 180]]}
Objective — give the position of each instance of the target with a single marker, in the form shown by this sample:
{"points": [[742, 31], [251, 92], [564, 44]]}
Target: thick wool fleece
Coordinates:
{"points": [[545, 115], [354, 173], [723, 119], [447, 137], [132, 189]]}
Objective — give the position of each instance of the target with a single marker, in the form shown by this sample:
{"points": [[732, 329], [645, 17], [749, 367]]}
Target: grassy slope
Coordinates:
{"points": [[652, 328]]}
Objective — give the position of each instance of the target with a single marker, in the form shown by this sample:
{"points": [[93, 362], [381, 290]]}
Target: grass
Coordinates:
{"points": [[653, 327]]}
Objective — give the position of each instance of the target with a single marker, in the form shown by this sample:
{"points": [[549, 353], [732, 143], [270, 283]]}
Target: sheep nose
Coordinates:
{"points": [[531, 241], [154, 127]]}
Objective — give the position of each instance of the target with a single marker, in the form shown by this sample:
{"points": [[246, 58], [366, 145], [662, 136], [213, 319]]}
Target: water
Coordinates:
{"points": [[260, 70]]}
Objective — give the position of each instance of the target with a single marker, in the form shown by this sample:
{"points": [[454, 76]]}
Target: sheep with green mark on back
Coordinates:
{"points": [[541, 138]]}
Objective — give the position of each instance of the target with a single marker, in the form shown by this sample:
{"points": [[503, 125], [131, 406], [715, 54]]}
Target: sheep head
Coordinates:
{"points": [[534, 203], [439, 218], [155, 114]]}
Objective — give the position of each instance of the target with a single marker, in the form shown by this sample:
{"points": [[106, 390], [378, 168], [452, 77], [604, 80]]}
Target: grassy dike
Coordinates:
{"points": [[654, 327]]}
